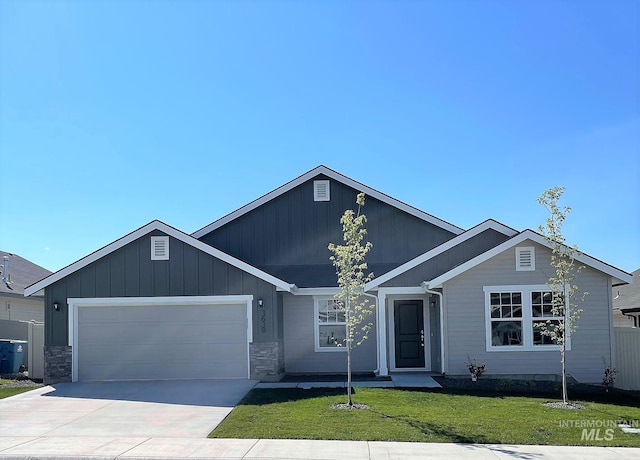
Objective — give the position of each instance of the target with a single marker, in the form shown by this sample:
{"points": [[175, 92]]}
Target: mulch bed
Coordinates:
{"points": [[19, 380]]}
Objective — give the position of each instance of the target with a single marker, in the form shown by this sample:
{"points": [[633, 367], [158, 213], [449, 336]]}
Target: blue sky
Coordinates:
{"points": [[115, 113]]}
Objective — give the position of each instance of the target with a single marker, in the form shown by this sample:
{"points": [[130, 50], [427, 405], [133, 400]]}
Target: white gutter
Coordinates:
{"points": [[425, 286]]}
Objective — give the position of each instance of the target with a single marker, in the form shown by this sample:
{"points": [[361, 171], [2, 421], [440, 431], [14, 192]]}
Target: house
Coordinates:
{"points": [[626, 303], [251, 296], [17, 273]]}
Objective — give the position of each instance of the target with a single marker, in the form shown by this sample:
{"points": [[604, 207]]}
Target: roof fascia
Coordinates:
{"points": [[615, 273], [171, 231], [486, 225], [338, 177]]}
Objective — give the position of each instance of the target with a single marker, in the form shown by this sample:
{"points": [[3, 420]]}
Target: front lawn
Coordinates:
{"points": [[14, 387], [427, 416]]}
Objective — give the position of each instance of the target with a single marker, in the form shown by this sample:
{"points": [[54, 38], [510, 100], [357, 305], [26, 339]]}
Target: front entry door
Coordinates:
{"points": [[409, 333]]}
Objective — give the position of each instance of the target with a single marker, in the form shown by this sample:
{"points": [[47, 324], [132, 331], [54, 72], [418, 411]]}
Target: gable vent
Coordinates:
{"points": [[525, 259], [321, 191], [159, 248]]}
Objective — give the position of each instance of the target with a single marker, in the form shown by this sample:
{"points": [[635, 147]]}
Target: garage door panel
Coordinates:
{"points": [[162, 342], [154, 332]]}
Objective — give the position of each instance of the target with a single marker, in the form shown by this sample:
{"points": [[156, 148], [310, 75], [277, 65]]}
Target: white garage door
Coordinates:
{"points": [[129, 342]]}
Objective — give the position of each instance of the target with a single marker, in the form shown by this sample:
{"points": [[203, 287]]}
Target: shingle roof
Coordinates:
{"points": [[628, 295], [20, 273]]}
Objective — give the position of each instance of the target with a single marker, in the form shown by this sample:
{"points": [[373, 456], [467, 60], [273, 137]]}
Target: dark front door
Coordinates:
{"points": [[409, 333]]}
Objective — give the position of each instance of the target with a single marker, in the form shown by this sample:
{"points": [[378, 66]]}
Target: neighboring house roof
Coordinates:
{"points": [[20, 274], [142, 231], [627, 296], [488, 224], [323, 170], [618, 275]]}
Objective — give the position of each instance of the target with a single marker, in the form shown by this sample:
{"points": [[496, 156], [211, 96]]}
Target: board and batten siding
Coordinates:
{"points": [[130, 272], [300, 355], [288, 236], [449, 259], [466, 330]]}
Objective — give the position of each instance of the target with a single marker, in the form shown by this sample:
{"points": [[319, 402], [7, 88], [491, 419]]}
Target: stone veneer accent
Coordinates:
{"points": [[267, 361], [57, 364]]}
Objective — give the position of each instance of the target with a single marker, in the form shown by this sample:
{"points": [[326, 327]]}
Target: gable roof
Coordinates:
{"points": [[20, 273], [617, 274], [335, 176], [486, 225], [142, 231]]}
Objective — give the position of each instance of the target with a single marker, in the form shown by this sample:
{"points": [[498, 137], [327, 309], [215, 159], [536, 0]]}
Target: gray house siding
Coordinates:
{"points": [[466, 331], [130, 272], [288, 236], [300, 354], [444, 262]]}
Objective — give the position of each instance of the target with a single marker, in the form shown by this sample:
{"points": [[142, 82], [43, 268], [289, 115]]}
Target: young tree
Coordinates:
{"points": [[566, 295], [350, 264]]}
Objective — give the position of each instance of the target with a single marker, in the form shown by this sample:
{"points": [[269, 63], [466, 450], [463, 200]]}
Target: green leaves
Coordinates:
{"points": [[349, 262]]}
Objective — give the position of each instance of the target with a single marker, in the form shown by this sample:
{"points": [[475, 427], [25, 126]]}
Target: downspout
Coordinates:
{"points": [[375, 303], [425, 286]]}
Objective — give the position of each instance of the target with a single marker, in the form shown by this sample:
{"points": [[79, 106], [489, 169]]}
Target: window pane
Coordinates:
{"points": [[331, 336], [505, 298], [495, 298], [495, 312], [536, 311], [517, 312], [539, 339], [329, 311], [536, 298], [516, 298], [505, 333], [546, 297], [506, 312]]}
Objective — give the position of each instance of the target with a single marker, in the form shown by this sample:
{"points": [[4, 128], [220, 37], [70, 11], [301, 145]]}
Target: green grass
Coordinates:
{"points": [[5, 391], [424, 416]]}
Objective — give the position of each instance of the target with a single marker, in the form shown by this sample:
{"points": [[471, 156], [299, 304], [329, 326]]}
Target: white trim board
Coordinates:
{"points": [[486, 225], [337, 177], [615, 273], [168, 230], [75, 303]]}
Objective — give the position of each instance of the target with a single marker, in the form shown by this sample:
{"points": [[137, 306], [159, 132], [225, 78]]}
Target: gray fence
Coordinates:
{"points": [[628, 358]]}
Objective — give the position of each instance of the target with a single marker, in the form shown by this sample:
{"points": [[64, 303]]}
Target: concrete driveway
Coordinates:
{"points": [[159, 409]]}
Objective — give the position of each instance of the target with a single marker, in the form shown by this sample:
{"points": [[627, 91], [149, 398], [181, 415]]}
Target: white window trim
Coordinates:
{"points": [[165, 241], [521, 249], [527, 319], [316, 328]]}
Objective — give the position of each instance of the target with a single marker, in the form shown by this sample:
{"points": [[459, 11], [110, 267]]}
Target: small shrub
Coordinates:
{"points": [[475, 370]]}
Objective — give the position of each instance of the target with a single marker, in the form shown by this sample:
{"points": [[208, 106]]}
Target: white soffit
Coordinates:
{"points": [[335, 176], [168, 230], [486, 225], [615, 273]]}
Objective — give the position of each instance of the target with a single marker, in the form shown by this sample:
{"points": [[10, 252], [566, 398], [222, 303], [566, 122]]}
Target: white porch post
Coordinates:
{"points": [[382, 333]]}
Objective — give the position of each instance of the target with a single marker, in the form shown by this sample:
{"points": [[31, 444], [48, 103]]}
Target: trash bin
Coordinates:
{"points": [[4, 356], [12, 355]]}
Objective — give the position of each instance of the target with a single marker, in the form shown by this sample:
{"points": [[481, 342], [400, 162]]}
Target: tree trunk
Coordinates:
{"points": [[349, 376], [564, 377]]}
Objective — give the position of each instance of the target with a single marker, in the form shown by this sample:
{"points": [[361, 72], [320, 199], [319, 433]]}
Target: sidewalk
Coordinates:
{"points": [[104, 448]]}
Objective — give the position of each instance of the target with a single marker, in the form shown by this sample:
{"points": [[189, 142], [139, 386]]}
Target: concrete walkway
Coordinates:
{"points": [[98, 448]]}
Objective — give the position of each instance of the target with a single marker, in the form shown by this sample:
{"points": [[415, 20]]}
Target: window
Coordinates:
{"points": [[506, 318], [542, 311], [512, 317], [330, 325], [525, 259]]}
